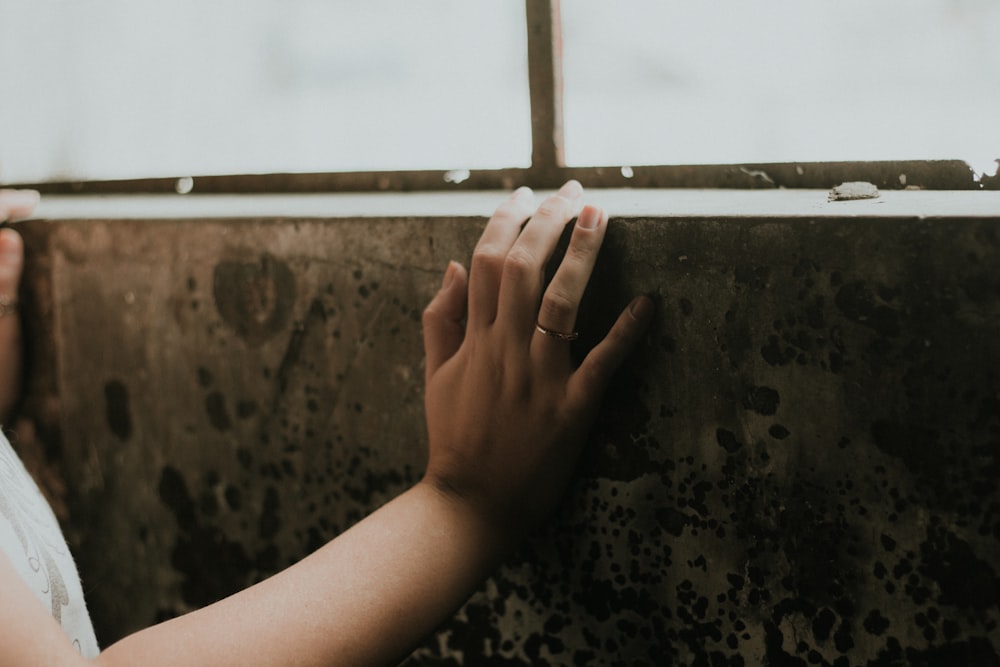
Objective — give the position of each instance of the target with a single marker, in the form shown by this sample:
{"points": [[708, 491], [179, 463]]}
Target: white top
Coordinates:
{"points": [[31, 539]]}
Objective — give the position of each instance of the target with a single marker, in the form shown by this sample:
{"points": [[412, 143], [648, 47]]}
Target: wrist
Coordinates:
{"points": [[494, 529]]}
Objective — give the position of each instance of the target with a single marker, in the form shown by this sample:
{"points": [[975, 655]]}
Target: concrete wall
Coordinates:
{"points": [[799, 466]]}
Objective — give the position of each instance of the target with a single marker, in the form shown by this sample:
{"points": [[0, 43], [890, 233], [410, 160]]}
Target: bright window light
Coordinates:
{"points": [[135, 88], [730, 81]]}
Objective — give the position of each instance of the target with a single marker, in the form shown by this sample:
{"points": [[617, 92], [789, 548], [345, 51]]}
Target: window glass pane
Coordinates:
{"points": [[132, 88], [671, 82]]}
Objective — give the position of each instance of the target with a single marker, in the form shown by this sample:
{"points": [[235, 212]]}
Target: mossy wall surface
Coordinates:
{"points": [[798, 466]]}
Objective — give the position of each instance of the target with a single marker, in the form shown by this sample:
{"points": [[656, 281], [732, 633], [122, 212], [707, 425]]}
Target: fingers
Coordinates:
{"points": [[488, 257], [17, 203], [524, 267], [442, 319], [589, 381], [561, 301]]}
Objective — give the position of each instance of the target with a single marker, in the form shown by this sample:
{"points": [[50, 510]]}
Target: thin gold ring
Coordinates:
{"points": [[558, 335]]}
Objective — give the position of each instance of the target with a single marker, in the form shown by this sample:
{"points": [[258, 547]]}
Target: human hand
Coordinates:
{"points": [[507, 411], [13, 204], [17, 203]]}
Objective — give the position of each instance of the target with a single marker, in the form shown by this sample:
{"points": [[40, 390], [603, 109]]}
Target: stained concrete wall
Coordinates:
{"points": [[798, 466]]}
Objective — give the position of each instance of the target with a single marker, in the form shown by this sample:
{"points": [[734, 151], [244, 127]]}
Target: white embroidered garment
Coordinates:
{"points": [[33, 542]]}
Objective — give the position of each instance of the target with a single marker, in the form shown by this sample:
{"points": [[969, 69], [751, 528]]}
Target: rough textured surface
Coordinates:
{"points": [[799, 466]]}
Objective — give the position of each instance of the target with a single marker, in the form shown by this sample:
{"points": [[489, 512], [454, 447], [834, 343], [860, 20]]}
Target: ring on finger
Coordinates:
{"points": [[558, 335]]}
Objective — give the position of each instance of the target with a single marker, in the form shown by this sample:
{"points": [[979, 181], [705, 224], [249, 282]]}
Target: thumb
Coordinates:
{"points": [[442, 320], [11, 262]]}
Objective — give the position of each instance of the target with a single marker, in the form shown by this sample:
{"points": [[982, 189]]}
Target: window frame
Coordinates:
{"points": [[548, 167]]}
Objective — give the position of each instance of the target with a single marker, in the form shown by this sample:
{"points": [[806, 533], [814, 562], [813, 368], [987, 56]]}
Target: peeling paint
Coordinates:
{"points": [[855, 190], [759, 176]]}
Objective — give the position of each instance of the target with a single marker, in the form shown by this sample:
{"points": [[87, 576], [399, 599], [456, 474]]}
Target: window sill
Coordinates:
{"points": [[666, 203]]}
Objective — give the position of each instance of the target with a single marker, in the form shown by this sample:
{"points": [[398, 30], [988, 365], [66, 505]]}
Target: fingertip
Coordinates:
{"points": [[571, 189], [523, 192], [524, 199], [455, 271], [641, 309]]}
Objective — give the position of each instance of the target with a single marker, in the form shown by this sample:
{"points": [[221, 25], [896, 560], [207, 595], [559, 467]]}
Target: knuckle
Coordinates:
{"points": [[557, 305], [487, 256], [593, 374], [578, 253], [519, 262], [597, 370]]}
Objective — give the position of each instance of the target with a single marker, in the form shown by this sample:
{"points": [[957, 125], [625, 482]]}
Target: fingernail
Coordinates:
{"points": [[571, 190], [589, 218], [523, 192], [641, 308], [449, 276]]}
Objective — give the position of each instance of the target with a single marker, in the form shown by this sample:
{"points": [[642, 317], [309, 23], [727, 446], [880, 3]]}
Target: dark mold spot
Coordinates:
{"points": [[778, 432], [965, 580], [776, 354], [116, 409], [762, 400], [255, 299], [671, 520], [174, 494], [246, 409], [875, 623], [215, 406], [859, 303], [822, 624], [212, 566], [234, 498], [752, 277], [916, 446], [727, 440]]}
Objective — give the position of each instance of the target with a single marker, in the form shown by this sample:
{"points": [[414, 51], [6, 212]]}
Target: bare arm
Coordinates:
{"points": [[366, 598], [506, 416]]}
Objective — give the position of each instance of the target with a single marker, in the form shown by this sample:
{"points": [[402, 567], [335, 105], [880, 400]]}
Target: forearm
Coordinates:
{"points": [[366, 598]]}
